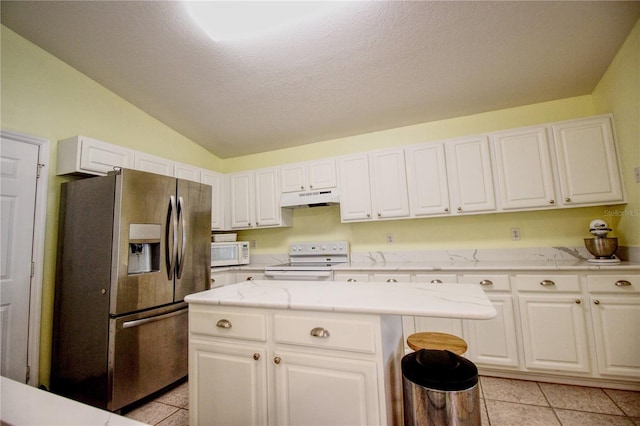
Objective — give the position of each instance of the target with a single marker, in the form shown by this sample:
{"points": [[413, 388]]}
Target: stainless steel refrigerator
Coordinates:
{"points": [[131, 246]]}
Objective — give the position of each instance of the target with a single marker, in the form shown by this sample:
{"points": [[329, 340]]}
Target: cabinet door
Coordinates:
{"points": [[241, 194], [587, 161], [554, 333], [185, 171], [470, 175], [427, 179], [152, 164], [322, 390], [355, 195], [322, 174], [227, 384], [218, 202], [616, 323], [267, 192], [493, 342], [389, 184], [293, 178], [102, 157], [523, 166]]}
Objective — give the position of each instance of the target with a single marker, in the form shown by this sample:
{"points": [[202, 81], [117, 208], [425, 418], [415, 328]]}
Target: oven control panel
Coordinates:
{"points": [[319, 247]]}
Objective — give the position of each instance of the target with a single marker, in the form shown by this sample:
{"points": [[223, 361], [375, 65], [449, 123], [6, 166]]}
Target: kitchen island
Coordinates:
{"points": [[295, 352]]}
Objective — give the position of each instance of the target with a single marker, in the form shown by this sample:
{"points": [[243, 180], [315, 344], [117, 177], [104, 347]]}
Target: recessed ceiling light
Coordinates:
{"points": [[226, 20]]}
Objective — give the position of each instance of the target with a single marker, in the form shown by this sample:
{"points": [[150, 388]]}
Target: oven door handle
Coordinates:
{"points": [[293, 275]]}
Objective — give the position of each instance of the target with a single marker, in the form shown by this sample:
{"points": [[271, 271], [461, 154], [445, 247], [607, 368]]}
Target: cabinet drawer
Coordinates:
{"points": [[228, 324], [614, 283], [488, 282], [344, 334], [548, 283]]}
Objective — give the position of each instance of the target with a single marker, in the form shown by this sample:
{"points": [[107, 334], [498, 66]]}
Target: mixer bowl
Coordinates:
{"points": [[602, 248]]}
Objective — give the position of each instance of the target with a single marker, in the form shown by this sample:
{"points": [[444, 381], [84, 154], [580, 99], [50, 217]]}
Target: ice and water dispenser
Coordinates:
{"points": [[144, 248]]}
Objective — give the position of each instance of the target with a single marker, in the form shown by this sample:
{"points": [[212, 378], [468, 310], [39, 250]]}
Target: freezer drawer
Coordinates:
{"points": [[149, 352]]}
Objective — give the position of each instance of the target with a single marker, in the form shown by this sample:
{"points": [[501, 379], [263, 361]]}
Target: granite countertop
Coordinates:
{"points": [[26, 405], [438, 300]]}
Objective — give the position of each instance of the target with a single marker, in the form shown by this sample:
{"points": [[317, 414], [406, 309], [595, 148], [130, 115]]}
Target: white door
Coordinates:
{"points": [[19, 169]]}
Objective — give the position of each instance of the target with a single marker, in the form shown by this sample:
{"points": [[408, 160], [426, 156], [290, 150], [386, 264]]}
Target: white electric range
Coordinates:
{"points": [[310, 261]]}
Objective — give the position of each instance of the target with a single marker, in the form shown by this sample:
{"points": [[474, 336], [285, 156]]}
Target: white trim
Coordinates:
{"points": [[37, 255]]}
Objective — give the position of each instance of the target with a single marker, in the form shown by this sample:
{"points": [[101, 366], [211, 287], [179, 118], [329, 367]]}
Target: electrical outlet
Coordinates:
{"points": [[637, 171], [515, 233], [389, 238]]}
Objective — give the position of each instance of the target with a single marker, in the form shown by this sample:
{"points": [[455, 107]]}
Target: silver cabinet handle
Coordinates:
{"points": [[223, 323], [436, 282], [256, 356], [392, 280], [547, 283], [622, 283], [486, 282], [320, 332], [351, 280]]}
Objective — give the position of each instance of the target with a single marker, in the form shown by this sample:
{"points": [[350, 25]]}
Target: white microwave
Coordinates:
{"points": [[231, 253]]}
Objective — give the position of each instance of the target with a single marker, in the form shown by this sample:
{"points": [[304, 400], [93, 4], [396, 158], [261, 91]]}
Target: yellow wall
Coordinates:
{"points": [[43, 96]]}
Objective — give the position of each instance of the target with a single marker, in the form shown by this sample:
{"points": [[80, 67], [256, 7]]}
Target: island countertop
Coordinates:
{"points": [[443, 300]]}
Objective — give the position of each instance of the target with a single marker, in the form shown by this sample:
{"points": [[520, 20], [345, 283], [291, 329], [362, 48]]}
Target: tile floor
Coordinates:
{"points": [[503, 402]]}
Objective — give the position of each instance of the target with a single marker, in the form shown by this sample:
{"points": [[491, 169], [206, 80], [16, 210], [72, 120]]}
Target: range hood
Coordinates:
{"points": [[325, 197]]}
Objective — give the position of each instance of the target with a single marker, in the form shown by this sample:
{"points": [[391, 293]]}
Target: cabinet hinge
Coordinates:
{"points": [[28, 374], [39, 167], [33, 269]]}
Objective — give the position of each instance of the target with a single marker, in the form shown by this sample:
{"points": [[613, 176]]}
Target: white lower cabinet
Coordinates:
{"points": [[280, 367]]}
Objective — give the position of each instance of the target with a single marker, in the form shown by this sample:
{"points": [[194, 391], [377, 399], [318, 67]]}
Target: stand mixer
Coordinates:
{"points": [[602, 247]]}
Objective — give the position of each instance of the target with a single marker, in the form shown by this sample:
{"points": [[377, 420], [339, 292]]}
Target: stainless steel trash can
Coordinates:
{"points": [[440, 388]]}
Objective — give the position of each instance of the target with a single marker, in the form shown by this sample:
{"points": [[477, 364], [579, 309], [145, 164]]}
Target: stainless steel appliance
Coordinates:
{"points": [[602, 247], [230, 253], [132, 245], [310, 261]]}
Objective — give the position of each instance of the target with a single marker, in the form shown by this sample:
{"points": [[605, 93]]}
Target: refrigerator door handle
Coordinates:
{"points": [[137, 323], [171, 250], [183, 230]]}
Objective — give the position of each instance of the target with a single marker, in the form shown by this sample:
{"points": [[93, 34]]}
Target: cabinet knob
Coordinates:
{"points": [[368, 215], [223, 323], [596, 302], [249, 279], [277, 360], [547, 283], [103, 291], [257, 223], [578, 301], [486, 282], [256, 356], [301, 187], [567, 200], [379, 214], [351, 280], [622, 283], [249, 224], [459, 209], [552, 201], [392, 280], [310, 186], [436, 282], [321, 332], [446, 209]]}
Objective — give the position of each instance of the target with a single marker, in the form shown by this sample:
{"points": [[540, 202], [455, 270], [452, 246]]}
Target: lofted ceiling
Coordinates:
{"points": [[374, 65]]}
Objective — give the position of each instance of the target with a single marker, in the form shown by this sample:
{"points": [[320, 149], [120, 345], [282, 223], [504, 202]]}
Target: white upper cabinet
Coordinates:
{"points": [[427, 179], [218, 197], [470, 175], [153, 164], [185, 171], [524, 168], [373, 186], [588, 163], [308, 176], [84, 155], [255, 200]]}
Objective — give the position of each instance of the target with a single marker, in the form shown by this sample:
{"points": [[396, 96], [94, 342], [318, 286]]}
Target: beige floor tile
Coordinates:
{"points": [[179, 418], [579, 398], [508, 390], [178, 396], [484, 417], [582, 418], [629, 401], [509, 414], [151, 412]]}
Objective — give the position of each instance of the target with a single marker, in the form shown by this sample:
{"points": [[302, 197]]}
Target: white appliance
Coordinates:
{"points": [[230, 253], [310, 261], [316, 198]]}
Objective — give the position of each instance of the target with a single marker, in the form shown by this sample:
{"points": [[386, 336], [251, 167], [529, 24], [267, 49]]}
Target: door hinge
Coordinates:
{"points": [[33, 269], [39, 167], [28, 374]]}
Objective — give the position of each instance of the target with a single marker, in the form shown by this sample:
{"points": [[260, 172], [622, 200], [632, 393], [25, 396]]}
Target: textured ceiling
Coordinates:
{"points": [[373, 66]]}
